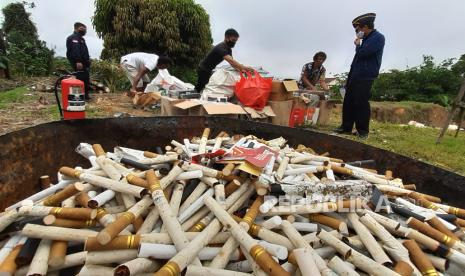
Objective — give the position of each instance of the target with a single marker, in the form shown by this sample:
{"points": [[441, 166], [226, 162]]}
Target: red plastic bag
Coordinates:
{"points": [[253, 91]]}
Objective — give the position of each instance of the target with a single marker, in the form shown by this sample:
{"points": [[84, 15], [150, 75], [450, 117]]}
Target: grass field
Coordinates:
{"points": [[418, 143], [20, 105]]}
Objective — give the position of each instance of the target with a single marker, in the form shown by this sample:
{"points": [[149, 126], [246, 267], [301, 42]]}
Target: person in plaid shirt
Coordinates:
{"points": [[314, 73]]}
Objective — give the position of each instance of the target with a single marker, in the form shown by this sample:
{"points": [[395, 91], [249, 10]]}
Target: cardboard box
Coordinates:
{"points": [[201, 108], [168, 108], [282, 109], [325, 112], [283, 90]]}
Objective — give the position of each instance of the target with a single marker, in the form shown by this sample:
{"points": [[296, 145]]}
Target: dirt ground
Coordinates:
{"points": [[40, 107]]}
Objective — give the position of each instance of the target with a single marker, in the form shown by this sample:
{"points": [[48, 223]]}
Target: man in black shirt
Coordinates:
{"points": [[78, 55], [220, 52]]}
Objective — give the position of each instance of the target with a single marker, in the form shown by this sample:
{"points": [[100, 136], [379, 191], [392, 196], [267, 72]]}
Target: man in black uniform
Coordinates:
{"points": [[220, 52], [78, 55], [369, 46]]}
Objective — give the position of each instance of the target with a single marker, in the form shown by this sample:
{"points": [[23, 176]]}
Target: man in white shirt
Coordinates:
{"points": [[137, 65]]}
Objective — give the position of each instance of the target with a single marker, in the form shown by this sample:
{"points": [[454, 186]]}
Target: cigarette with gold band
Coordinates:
{"points": [[69, 223], [436, 234], [104, 182], [69, 191], [233, 202], [66, 213], [421, 261], [170, 221], [113, 229], [258, 253], [222, 259], [436, 246]]}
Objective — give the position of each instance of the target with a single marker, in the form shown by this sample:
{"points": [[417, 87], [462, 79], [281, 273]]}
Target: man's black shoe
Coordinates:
{"points": [[341, 130], [362, 136]]}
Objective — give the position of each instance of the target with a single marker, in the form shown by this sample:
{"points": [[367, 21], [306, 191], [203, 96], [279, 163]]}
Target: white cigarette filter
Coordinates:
{"points": [[305, 226], [273, 222], [269, 203]]}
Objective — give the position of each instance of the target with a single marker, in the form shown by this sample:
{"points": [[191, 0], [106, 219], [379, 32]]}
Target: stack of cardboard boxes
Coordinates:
{"points": [[288, 104]]}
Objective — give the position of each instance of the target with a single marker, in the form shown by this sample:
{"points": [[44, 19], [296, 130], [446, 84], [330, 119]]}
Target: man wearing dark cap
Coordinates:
{"points": [[369, 45]]}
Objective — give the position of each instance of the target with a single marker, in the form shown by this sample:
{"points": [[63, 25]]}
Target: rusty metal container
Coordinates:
{"points": [[27, 154]]}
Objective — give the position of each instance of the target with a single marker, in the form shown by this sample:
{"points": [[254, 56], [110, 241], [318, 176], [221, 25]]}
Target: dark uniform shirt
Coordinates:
{"points": [[76, 50], [215, 56], [368, 58]]}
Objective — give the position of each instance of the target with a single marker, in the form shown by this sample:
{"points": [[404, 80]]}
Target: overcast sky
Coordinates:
{"points": [[283, 35]]}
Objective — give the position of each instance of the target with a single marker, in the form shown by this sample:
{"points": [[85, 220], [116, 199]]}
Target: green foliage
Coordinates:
{"points": [[428, 82], [178, 28], [61, 63], [28, 55], [12, 96], [110, 74]]}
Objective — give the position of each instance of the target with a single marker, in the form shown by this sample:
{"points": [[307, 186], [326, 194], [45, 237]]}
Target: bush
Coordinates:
{"points": [[110, 74]]}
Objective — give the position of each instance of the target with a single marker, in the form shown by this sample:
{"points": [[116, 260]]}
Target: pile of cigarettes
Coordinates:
{"points": [[229, 205]]}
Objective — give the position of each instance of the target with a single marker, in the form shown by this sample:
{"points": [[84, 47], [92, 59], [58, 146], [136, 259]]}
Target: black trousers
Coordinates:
{"points": [[203, 77], [356, 108], [83, 76]]}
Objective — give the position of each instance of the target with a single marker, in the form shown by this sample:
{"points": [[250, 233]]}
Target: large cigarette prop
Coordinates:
{"points": [[137, 213]]}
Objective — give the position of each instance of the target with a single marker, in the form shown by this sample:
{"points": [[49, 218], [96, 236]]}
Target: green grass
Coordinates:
{"points": [[12, 96], [418, 143]]}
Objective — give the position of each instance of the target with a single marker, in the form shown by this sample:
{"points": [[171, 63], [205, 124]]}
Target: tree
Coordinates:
{"points": [[27, 54], [178, 28]]}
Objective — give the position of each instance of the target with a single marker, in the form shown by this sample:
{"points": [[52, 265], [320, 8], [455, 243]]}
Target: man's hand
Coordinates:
{"points": [[79, 66], [358, 42], [247, 68]]}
